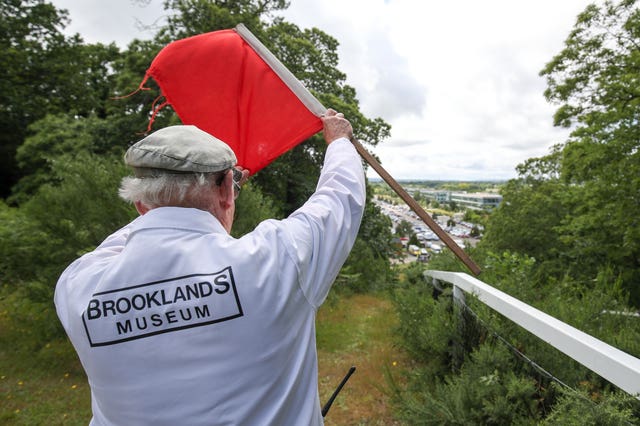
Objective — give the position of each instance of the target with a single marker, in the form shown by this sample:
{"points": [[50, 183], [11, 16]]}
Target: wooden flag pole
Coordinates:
{"points": [[314, 105]]}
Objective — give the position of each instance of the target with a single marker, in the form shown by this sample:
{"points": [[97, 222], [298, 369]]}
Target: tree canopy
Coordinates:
{"points": [[70, 109], [566, 237], [577, 208]]}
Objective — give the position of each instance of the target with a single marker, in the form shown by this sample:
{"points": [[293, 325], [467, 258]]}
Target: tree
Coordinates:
{"points": [[575, 210], [43, 71], [254, 207], [193, 17], [404, 229], [63, 219], [595, 80], [77, 116], [376, 229], [311, 55], [55, 136]]}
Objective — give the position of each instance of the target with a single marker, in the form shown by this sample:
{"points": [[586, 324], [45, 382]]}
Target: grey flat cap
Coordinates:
{"points": [[179, 149]]}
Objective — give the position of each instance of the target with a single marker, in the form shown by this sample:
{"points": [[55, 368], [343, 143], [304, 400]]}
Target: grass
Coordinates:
{"points": [[358, 331], [47, 386]]}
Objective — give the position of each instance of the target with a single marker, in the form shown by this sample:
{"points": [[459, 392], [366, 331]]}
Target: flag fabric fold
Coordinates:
{"points": [[217, 82]]}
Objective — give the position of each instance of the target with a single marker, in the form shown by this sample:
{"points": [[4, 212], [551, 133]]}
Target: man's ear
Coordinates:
{"points": [[226, 191], [142, 209]]}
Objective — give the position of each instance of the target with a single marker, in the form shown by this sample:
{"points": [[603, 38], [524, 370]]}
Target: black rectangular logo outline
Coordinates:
{"points": [[168, 330]]}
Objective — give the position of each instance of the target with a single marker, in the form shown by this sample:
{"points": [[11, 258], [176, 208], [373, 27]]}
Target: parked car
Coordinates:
{"points": [[414, 250]]}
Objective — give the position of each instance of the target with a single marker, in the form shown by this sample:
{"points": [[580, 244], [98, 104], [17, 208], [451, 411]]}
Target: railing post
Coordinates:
{"points": [[437, 288], [458, 295]]}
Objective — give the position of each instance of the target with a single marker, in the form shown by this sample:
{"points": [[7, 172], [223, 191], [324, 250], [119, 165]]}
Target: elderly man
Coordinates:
{"points": [[178, 323]]}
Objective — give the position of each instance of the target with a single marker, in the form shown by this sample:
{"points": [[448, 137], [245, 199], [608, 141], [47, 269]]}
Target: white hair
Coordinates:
{"points": [[169, 189]]}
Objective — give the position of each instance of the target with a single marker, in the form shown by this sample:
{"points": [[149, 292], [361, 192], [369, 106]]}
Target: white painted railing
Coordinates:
{"points": [[616, 366]]}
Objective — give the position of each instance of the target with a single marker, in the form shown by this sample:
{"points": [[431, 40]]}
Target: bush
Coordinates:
{"points": [[427, 326], [489, 378], [65, 218], [487, 391], [71, 216], [22, 243], [252, 207], [28, 319], [579, 408], [363, 271]]}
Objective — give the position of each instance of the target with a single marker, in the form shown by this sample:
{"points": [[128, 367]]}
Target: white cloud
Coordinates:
{"points": [[461, 75], [457, 81], [118, 21]]}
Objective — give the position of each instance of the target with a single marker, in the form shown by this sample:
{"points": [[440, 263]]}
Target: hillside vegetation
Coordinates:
{"points": [[565, 239]]}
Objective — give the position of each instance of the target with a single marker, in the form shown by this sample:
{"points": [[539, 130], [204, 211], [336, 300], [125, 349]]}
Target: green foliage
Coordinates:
{"points": [[252, 207], [20, 240], [191, 17], [56, 136], [487, 391], [447, 261], [427, 326], [44, 72], [582, 304], [584, 408], [413, 240], [596, 307], [364, 270], [594, 79], [447, 342], [478, 217], [526, 221], [30, 320], [368, 268], [64, 219], [404, 229], [376, 229], [466, 186], [575, 209]]}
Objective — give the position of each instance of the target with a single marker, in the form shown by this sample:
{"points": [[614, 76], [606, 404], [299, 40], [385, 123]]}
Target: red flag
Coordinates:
{"points": [[217, 82]]}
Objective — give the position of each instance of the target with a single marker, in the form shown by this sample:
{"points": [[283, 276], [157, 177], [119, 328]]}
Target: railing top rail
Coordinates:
{"points": [[616, 366]]}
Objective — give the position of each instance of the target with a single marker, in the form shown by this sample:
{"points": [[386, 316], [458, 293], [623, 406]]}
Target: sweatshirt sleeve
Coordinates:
{"points": [[324, 229]]}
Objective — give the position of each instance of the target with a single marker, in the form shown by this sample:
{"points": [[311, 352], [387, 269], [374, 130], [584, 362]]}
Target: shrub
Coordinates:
{"points": [[363, 271], [427, 326], [579, 408], [487, 391]]}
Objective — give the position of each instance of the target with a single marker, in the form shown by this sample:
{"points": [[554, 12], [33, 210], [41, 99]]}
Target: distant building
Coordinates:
{"points": [[476, 201], [439, 196]]}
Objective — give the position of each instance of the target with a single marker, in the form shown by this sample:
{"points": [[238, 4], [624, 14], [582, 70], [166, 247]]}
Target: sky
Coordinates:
{"points": [[457, 81]]}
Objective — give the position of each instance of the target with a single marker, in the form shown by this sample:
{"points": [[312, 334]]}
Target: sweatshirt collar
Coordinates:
{"points": [[186, 219]]}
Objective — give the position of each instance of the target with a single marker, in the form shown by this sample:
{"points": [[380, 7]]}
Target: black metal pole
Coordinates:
{"points": [[326, 407]]}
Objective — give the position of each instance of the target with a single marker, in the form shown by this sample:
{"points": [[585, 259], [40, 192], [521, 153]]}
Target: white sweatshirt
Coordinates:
{"points": [[178, 323]]}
